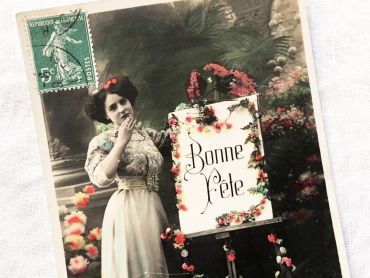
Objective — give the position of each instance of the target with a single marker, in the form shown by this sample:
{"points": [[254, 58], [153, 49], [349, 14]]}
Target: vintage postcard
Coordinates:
{"points": [[182, 139]]}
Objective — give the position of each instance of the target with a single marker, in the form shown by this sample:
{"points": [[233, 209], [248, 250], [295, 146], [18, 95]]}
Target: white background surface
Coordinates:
{"points": [[341, 45]]}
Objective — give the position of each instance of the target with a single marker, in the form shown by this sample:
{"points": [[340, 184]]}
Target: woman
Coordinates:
{"points": [[134, 216], [56, 48]]}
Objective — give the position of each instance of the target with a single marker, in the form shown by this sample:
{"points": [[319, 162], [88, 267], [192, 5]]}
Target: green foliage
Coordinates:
{"points": [[158, 52]]}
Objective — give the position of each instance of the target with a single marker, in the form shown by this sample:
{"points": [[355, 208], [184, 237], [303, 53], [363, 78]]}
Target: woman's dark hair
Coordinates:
{"points": [[95, 104]]}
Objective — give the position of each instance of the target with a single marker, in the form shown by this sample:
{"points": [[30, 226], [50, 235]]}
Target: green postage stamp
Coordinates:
{"points": [[62, 52]]}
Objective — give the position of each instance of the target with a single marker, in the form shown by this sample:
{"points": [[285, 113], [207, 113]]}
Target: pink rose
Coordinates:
{"points": [[89, 189], [78, 265], [287, 261], [175, 170], [271, 238]]}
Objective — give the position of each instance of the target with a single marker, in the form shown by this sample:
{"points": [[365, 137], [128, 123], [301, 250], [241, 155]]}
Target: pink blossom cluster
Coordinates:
{"points": [[217, 69], [82, 199], [74, 233], [78, 264], [306, 186], [281, 84], [242, 84], [281, 120], [193, 89]]}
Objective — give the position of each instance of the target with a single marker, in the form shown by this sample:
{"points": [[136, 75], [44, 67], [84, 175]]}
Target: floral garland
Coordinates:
{"points": [[236, 218], [285, 262], [257, 160], [181, 243], [81, 248]]}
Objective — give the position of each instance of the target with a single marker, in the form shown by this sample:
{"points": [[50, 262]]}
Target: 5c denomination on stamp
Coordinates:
{"points": [[62, 52]]}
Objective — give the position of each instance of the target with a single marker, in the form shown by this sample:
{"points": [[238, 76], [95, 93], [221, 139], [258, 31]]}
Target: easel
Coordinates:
{"points": [[224, 233]]}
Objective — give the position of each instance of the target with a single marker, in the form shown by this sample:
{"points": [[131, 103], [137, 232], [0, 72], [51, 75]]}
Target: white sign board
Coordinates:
{"points": [[211, 167]]}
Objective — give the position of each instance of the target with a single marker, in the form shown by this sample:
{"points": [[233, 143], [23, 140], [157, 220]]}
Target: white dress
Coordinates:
{"points": [[134, 216]]}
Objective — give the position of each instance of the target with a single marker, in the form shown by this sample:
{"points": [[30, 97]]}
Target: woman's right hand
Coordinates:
{"points": [[125, 131]]}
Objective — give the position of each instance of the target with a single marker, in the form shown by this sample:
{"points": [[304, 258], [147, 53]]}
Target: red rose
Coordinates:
{"points": [[231, 256], [229, 125], [188, 119], [182, 207], [217, 127], [89, 189], [165, 236], [190, 268], [178, 190], [287, 261], [244, 214], [175, 170], [261, 176], [180, 238], [172, 121], [257, 212], [221, 222], [173, 138], [259, 157], [200, 128], [271, 238], [176, 154]]}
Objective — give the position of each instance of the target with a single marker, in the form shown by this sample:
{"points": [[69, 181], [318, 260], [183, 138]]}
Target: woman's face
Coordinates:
{"points": [[117, 108]]}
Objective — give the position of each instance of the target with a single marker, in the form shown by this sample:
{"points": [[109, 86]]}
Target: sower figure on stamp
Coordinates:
{"points": [[134, 216], [56, 49]]}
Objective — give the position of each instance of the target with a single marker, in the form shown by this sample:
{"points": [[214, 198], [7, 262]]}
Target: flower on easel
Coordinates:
{"points": [[216, 78], [231, 256], [179, 242], [285, 262]]}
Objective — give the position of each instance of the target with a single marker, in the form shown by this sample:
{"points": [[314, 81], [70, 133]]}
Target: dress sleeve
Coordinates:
{"points": [[95, 156], [160, 138]]}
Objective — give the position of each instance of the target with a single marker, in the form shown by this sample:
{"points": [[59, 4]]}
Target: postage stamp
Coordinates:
{"points": [[62, 52]]}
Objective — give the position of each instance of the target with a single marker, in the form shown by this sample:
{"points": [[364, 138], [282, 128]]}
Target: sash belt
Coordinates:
{"points": [[138, 182]]}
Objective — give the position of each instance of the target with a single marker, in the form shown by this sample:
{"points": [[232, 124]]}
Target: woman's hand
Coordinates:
{"points": [[125, 131]]}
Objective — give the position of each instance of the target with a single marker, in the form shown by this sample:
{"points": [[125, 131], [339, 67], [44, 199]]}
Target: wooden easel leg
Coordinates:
{"points": [[230, 263]]}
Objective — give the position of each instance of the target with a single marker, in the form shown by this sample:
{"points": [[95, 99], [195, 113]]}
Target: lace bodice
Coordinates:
{"points": [[140, 157]]}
